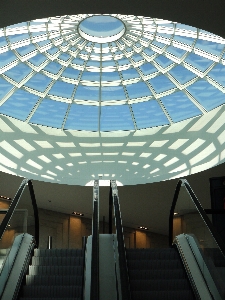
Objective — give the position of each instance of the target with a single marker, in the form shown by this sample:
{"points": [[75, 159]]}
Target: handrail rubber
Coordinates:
{"points": [[14, 204], [95, 255], [124, 278], [201, 211]]}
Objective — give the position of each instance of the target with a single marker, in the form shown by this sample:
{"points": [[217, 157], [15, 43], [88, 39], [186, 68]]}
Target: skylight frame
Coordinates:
{"points": [[62, 32]]}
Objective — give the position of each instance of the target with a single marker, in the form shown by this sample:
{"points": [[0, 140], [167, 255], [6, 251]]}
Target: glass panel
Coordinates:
{"points": [[206, 94], [92, 63], [137, 90], [110, 76], [210, 47], [130, 73], [109, 63], [91, 76], [82, 117], [22, 221], [184, 39], [149, 114], [64, 56], [116, 117], [123, 61], [37, 60], [163, 61], [19, 105], [71, 73], [3, 41], [161, 84], [53, 50], [180, 107], [182, 74], [38, 82], [87, 93], [19, 72], [112, 93], [176, 51], [43, 43], [148, 69], [50, 113], [137, 57], [78, 61], [149, 52], [6, 58], [62, 89], [158, 44], [18, 37], [53, 67], [188, 220], [199, 62], [5, 87], [25, 50], [218, 74]]}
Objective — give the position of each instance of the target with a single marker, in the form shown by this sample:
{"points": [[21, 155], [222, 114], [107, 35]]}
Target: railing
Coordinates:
{"points": [[9, 212], [95, 246], [188, 216], [19, 218], [124, 278]]}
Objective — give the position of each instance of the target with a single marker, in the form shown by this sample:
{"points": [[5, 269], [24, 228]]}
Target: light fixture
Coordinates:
{"points": [[143, 228], [5, 198], [77, 214]]}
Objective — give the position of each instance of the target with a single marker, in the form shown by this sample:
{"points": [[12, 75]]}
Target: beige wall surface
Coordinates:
{"points": [[67, 232]]}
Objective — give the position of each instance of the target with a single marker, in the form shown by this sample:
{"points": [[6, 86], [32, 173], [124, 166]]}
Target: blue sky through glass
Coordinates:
{"points": [[58, 78], [101, 26]]}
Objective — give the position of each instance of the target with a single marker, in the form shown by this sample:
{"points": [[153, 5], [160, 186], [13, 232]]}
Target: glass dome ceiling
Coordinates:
{"points": [[109, 73], [131, 98]]}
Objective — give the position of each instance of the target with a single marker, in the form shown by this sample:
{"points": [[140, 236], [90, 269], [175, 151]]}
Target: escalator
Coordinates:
{"points": [[192, 267], [157, 274], [27, 272], [54, 273]]}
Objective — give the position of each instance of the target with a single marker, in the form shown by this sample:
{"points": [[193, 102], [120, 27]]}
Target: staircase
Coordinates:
{"points": [[55, 274], [157, 274]]}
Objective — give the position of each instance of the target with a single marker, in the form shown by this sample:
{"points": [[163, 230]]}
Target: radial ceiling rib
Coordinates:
{"points": [[121, 65]]}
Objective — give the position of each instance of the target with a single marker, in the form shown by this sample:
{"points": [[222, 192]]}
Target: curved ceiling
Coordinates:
{"points": [[145, 107]]}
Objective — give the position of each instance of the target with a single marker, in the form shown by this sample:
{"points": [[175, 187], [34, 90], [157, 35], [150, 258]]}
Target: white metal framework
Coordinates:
{"points": [[142, 103]]}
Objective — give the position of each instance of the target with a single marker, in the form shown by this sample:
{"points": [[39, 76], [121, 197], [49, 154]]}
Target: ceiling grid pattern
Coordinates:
{"points": [[146, 107]]}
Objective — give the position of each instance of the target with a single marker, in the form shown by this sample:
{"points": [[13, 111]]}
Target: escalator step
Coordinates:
{"points": [[156, 264], [59, 252], [141, 254], [59, 261], [159, 285], [49, 298], [162, 295], [51, 291], [54, 280], [157, 274], [56, 270]]}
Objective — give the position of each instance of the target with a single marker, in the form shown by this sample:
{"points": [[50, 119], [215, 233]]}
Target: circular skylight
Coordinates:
{"points": [[101, 29], [144, 107], [155, 73]]}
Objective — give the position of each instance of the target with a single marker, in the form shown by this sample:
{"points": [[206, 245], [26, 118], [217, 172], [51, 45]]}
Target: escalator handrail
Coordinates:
{"points": [[95, 255], [13, 206], [201, 211], [124, 278]]}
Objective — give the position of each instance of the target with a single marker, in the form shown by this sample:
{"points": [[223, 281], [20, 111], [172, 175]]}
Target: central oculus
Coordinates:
{"points": [[101, 29]]}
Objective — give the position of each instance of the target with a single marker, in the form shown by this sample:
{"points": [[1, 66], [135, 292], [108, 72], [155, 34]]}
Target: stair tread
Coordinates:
{"points": [[59, 252], [162, 295], [51, 291], [75, 280], [60, 260]]}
